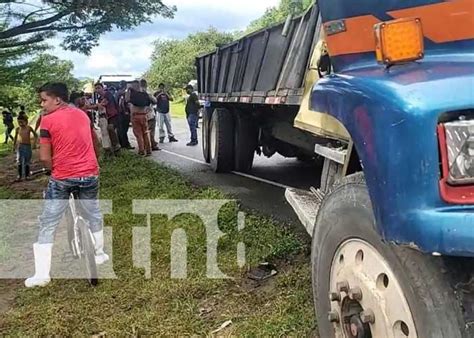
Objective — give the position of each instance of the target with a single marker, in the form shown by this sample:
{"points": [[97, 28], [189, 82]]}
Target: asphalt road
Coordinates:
{"points": [[263, 190]]}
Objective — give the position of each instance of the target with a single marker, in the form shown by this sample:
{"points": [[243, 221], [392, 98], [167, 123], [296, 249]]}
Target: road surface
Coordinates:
{"points": [[263, 190]]}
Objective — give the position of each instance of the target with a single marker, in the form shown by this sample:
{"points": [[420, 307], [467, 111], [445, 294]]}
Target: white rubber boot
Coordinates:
{"points": [[42, 254], [100, 256]]}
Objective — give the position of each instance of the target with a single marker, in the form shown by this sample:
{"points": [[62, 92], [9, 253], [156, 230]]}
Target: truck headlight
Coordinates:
{"points": [[460, 146], [456, 141]]}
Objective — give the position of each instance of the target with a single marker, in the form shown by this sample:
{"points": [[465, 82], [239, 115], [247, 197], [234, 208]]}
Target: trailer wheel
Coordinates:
{"points": [[206, 124], [364, 287], [245, 142], [221, 141]]}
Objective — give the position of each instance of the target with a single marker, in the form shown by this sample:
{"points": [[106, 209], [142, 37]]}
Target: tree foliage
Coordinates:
{"points": [[275, 15], [21, 81], [26, 24], [173, 61]]}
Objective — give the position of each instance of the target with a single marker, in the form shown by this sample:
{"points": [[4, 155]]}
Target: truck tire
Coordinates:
{"points": [[358, 279], [245, 142], [221, 141], [206, 123]]}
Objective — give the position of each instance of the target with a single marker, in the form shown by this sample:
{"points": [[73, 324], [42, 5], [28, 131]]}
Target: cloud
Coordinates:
{"points": [[129, 52]]}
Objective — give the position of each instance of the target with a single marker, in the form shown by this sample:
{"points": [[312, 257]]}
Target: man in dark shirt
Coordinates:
{"points": [[192, 114], [107, 101], [163, 99], [124, 117], [22, 114], [8, 123]]}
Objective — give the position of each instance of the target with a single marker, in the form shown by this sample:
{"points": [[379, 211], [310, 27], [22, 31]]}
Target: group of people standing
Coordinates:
{"points": [[134, 103], [69, 148]]}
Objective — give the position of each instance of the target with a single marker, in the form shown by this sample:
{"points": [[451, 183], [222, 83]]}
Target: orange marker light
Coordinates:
{"points": [[399, 41]]}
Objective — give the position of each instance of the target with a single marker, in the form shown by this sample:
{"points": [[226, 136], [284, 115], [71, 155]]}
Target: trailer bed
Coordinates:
{"points": [[264, 67]]}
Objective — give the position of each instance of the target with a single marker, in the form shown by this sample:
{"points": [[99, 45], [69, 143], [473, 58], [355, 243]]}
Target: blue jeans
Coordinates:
{"points": [[24, 158], [57, 200], [193, 120]]}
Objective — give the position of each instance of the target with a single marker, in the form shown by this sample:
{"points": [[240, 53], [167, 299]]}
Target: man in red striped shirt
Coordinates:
{"points": [[69, 147]]}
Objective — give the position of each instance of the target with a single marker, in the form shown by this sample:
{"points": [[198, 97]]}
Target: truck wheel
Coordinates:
{"points": [[245, 142], [364, 287], [206, 123], [221, 141]]}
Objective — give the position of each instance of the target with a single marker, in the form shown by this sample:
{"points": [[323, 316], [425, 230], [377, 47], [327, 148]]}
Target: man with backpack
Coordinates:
{"points": [[151, 115], [139, 101], [109, 104]]}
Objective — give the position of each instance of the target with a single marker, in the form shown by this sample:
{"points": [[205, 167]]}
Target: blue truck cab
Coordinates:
{"points": [[402, 85], [393, 112], [380, 94]]}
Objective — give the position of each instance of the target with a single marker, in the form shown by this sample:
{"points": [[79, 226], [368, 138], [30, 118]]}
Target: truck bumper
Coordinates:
{"points": [[444, 231]]}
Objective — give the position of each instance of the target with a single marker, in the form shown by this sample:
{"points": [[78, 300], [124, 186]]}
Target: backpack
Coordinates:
{"points": [[140, 99]]}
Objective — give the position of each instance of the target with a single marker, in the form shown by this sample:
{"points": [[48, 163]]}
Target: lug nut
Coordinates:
{"points": [[343, 286], [368, 317], [355, 294], [333, 317], [334, 297]]}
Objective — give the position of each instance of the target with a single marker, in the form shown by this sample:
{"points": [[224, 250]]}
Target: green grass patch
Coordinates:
{"points": [[4, 149], [133, 305], [178, 109]]}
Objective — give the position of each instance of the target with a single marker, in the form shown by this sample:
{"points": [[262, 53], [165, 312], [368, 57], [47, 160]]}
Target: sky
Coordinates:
{"points": [[129, 52]]}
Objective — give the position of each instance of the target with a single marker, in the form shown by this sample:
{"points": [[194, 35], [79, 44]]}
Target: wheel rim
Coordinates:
{"points": [[367, 299], [213, 140]]}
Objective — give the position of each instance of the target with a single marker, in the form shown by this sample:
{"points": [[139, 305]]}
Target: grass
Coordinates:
{"points": [[177, 109], [133, 305], [4, 149]]}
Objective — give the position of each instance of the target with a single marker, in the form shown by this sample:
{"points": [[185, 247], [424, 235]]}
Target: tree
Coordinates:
{"points": [[23, 80], [275, 15], [27, 24], [46, 68], [173, 61]]}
